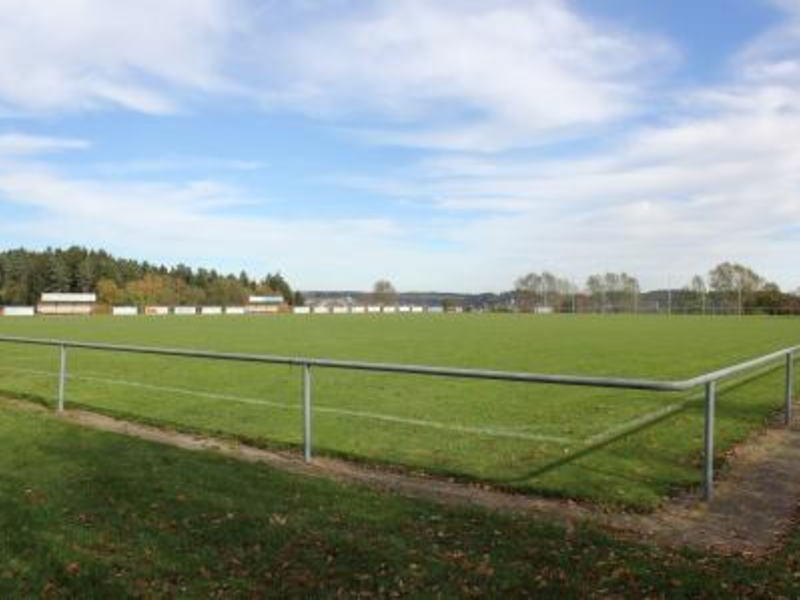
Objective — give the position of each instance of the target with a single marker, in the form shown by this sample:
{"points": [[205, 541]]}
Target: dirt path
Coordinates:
{"points": [[755, 503]]}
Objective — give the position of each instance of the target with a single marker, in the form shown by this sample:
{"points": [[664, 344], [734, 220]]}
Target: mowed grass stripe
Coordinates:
{"points": [[485, 431]]}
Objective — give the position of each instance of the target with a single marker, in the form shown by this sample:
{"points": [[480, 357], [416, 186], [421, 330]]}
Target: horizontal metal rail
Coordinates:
{"points": [[708, 380], [354, 365]]}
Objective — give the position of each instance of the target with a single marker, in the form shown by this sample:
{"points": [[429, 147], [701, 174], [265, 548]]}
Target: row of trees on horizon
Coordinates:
{"points": [[728, 286], [25, 275]]}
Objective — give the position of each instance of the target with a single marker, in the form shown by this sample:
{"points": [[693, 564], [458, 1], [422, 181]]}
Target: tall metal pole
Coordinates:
{"points": [[62, 378], [708, 470], [741, 310], [669, 297], [789, 394], [307, 413]]}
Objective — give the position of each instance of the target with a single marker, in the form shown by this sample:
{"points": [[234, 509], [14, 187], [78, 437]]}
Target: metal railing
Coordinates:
{"points": [[708, 380]]}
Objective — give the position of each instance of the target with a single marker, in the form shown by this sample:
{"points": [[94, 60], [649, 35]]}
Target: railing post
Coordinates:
{"points": [[708, 457], [62, 377], [307, 412], [789, 387]]}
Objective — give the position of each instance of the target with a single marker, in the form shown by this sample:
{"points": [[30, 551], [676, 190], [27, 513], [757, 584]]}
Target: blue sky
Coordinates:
{"points": [[449, 145]]}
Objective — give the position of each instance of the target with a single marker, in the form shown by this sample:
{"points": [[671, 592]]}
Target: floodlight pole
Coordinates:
{"points": [[669, 297], [741, 311]]}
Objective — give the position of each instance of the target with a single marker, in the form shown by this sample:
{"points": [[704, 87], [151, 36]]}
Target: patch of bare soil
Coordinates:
{"points": [[754, 506]]}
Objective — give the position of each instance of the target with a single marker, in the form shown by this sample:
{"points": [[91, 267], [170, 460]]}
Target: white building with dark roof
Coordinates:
{"points": [[57, 303]]}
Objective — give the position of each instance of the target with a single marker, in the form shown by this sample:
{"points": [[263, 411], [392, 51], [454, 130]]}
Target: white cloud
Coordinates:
{"points": [[460, 74], [77, 54], [717, 180], [446, 74], [21, 144]]}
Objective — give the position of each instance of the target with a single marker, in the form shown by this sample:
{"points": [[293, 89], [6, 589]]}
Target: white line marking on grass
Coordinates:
{"points": [[484, 431]]}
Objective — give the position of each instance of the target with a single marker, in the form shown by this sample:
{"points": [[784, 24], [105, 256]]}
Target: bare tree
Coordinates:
{"points": [[384, 293]]}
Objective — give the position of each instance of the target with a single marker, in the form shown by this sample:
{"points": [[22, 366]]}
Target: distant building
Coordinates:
{"points": [[266, 304], [67, 304]]}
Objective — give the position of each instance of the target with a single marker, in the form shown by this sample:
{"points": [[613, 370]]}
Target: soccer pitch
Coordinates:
{"points": [[609, 446]]}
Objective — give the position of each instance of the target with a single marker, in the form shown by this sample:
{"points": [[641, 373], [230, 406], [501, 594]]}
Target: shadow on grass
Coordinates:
{"points": [[750, 413]]}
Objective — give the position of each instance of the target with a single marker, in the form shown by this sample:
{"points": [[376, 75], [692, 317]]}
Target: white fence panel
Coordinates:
{"points": [[18, 311], [125, 311]]}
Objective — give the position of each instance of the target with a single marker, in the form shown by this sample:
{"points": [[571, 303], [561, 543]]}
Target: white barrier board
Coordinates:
{"points": [[301, 310], [211, 310], [185, 311], [124, 311], [234, 310], [19, 311]]}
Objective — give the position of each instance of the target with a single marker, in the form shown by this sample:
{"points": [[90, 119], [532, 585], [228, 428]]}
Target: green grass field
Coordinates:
{"points": [[548, 439], [94, 515]]}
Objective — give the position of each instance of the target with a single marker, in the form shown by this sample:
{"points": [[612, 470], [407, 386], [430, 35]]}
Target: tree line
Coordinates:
{"points": [[728, 287], [25, 275]]}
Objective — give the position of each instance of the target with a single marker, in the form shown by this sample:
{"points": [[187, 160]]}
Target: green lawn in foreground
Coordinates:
{"points": [[90, 515], [541, 438]]}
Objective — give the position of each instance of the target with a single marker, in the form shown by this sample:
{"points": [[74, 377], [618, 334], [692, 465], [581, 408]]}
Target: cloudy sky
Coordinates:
{"points": [[447, 145]]}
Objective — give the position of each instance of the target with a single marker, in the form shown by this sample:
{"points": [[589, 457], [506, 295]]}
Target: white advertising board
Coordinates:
{"points": [[18, 311]]}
